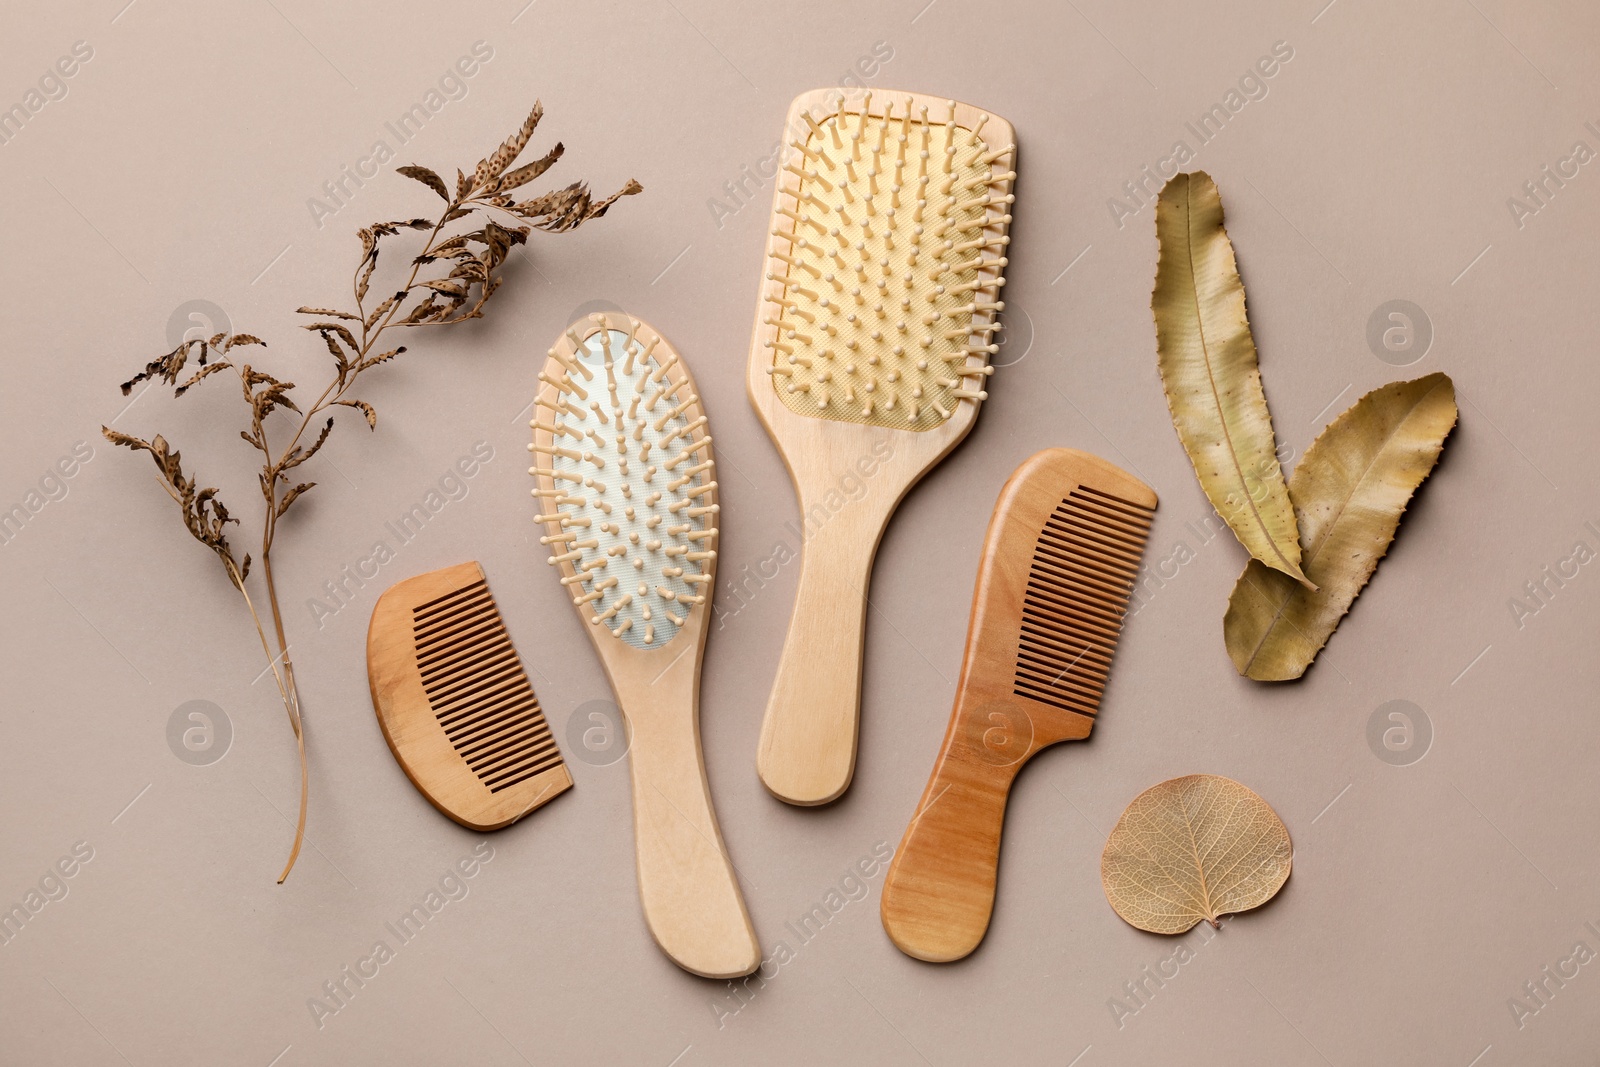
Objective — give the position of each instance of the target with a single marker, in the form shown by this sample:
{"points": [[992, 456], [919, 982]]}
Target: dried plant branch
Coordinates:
{"points": [[449, 282]]}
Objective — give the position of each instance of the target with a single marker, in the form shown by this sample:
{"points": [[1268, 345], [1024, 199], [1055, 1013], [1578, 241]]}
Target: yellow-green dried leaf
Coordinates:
{"points": [[1349, 491], [1193, 848], [1210, 373]]}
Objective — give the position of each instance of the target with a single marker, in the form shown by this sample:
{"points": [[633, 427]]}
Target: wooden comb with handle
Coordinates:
{"points": [[453, 701], [1059, 562]]}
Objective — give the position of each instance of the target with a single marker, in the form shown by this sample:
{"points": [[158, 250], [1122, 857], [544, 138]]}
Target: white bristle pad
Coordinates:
{"points": [[637, 513]]}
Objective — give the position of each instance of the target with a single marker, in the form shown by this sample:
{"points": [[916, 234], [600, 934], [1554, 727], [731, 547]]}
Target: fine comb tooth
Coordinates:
{"points": [[1084, 565], [475, 677], [456, 707], [889, 261]]}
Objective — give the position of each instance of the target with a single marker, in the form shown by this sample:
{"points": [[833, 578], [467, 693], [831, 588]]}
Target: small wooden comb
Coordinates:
{"points": [[454, 703], [1059, 561]]}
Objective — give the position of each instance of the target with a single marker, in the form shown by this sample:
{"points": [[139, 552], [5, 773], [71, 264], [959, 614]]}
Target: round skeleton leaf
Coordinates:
{"points": [[1193, 848]]}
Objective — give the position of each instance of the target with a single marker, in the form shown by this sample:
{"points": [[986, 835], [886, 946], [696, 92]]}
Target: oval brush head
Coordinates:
{"points": [[627, 482], [892, 271]]}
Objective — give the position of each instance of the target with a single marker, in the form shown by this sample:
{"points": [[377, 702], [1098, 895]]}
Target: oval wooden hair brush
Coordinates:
{"points": [[627, 492], [1059, 562], [876, 320]]}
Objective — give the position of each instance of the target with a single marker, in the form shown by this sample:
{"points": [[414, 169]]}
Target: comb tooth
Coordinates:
{"points": [[477, 690], [452, 616], [1076, 568], [518, 775], [443, 602], [1093, 646], [445, 654], [443, 632], [499, 744], [453, 693], [1085, 561], [1109, 506], [1077, 680], [485, 715], [493, 736], [1072, 574], [1090, 615], [1123, 544], [538, 758], [1048, 687], [512, 759], [469, 722], [1071, 684]]}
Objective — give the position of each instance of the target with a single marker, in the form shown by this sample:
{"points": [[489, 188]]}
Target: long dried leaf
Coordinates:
{"points": [[381, 357], [127, 440], [525, 174], [1211, 376], [300, 455], [363, 407], [1349, 492], [168, 366], [325, 328], [426, 177], [445, 286], [383, 308], [292, 495], [328, 311], [507, 153], [370, 264], [200, 375], [1191, 849]]}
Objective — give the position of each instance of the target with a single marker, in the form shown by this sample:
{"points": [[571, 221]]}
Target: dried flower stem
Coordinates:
{"points": [[451, 298]]}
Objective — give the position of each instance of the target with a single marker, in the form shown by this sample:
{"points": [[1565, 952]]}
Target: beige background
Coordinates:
{"points": [[179, 166]]}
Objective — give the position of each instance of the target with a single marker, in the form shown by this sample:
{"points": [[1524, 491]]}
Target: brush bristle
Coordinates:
{"points": [[631, 506], [890, 253], [1084, 566]]}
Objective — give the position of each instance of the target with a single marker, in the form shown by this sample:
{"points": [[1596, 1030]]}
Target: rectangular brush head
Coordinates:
{"points": [[454, 703], [886, 259]]}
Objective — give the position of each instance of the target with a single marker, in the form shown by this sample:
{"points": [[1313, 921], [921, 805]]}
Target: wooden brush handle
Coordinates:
{"points": [[692, 903], [807, 753], [939, 892]]}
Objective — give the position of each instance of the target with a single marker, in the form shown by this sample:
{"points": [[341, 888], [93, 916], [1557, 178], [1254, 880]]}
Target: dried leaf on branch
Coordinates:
{"points": [[454, 291]]}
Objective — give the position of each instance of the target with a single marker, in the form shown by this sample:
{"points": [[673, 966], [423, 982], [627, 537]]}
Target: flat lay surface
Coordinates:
{"points": [[1407, 190]]}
